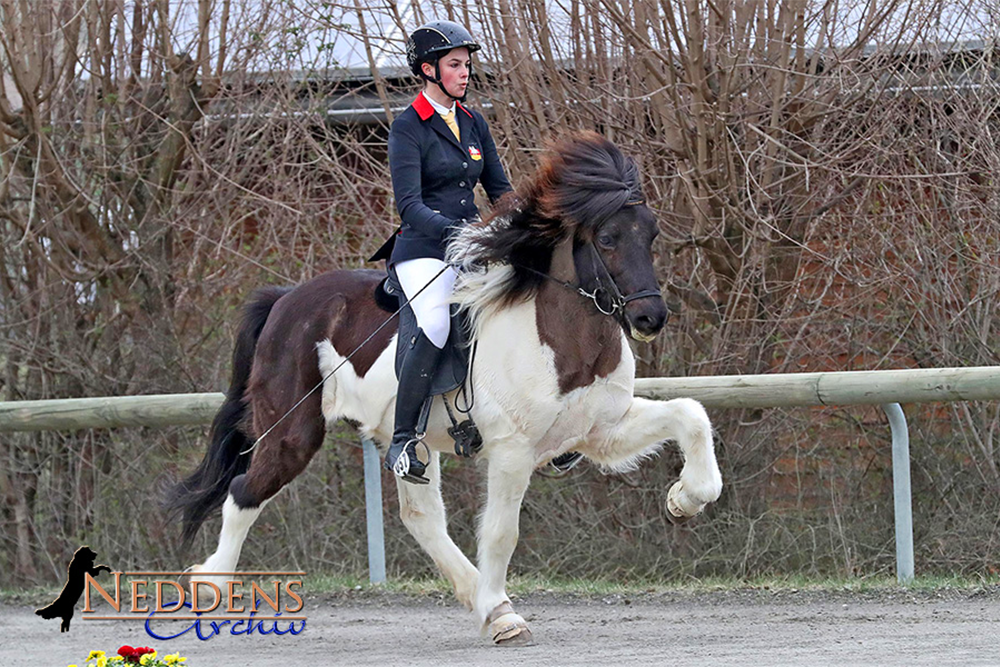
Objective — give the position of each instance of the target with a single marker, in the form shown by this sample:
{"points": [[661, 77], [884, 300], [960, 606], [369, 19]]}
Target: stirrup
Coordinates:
{"points": [[401, 467], [562, 464]]}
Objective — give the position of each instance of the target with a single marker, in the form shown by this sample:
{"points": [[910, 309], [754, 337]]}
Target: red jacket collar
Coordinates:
{"points": [[424, 109]]}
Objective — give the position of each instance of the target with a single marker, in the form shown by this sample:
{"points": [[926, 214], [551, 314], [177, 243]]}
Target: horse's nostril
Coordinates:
{"points": [[647, 323]]}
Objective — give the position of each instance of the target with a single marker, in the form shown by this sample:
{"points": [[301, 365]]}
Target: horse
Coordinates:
{"points": [[553, 283]]}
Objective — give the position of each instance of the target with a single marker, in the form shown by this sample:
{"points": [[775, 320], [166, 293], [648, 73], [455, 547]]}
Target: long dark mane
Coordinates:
{"points": [[581, 180]]}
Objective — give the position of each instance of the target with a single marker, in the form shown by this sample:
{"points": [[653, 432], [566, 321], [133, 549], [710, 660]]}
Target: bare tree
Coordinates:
{"points": [[822, 172]]}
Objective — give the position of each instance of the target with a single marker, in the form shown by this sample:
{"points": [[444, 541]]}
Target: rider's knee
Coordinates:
{"points": [[437, 327]]}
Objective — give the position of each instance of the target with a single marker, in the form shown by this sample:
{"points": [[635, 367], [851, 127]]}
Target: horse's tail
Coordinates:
{"points": [[205, 490]]}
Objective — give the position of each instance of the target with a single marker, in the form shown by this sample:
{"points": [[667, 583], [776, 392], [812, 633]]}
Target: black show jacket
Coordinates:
{"points": [[433, 176]]}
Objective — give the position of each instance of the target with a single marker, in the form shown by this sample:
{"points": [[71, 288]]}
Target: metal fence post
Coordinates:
{"points": [[901, 492], [373, 513]]}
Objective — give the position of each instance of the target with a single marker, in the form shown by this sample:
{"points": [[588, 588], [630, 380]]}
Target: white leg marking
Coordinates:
{"points": [[510, 468], [423, 513], [236, 522], [645, 426]]}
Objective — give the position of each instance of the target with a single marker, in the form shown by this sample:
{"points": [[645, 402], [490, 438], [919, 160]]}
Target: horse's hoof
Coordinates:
{"points": [[507, 628], [515, 634], [675, 519], [680, 509]]}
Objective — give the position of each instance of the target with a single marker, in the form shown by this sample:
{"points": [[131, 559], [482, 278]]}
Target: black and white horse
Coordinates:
{"points": [[554, 283]]}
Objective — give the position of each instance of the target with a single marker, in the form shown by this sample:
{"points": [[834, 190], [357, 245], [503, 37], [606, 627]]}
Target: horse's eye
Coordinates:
{"points": [[606, 240]]}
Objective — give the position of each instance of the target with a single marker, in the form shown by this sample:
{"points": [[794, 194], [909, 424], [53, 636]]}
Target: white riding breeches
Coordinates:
{"points": [[431, 306]]}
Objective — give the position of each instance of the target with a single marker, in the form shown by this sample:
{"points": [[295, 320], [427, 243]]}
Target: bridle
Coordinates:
{"points": [[615, 300], [607, 297]]}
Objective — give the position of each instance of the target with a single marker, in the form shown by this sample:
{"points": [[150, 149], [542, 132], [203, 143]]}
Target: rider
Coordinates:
{"points": [[438, 151]]}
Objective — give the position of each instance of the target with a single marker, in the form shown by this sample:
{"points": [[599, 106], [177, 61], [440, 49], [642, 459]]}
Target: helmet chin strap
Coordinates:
{"points": [[440, 84]]}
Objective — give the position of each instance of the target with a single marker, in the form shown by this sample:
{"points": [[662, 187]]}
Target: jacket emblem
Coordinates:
{"points": [[474, 153]]}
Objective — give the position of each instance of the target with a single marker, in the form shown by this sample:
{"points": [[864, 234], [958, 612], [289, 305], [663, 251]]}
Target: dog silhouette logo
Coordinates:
{"points": [[81, 565]]}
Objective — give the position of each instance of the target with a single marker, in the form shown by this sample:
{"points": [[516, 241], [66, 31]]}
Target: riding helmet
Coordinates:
{"points": [[432, 40]]}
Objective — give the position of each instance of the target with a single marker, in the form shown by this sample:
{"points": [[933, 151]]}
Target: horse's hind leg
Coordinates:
{"points": [[422, 510], [278, 459]]}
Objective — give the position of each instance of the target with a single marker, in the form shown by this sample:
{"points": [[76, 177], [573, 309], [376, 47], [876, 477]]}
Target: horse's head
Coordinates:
{"points": [[585, 197], [614, 264], [594, 190]]}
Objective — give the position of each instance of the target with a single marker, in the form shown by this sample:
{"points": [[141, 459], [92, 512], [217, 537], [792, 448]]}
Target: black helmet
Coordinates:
{"points": [[432, 40]]}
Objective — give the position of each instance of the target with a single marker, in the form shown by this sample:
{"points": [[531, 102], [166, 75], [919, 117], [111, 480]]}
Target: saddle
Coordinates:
{"points": [[452, 370]]}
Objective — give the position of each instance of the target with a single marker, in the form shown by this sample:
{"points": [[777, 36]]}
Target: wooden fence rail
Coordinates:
{"points": [[885, 388], [923, 385]]}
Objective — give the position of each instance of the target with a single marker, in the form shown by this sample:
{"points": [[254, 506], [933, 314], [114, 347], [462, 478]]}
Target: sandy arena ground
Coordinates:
{"points": [[743, 627]]}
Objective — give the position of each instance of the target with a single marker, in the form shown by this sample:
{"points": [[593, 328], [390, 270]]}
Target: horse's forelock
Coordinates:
{"points": [[584, 179]]}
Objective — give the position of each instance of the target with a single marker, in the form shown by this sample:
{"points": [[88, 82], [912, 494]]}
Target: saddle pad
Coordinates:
{"points": [[454, 364]]}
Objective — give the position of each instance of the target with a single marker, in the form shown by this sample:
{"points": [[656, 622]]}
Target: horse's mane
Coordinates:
{"points": [[581, 180]]}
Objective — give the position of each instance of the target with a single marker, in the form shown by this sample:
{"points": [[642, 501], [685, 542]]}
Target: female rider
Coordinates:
{"points": [[438, 151]]}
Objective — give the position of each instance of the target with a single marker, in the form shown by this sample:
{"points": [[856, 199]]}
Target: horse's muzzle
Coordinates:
{"points": [[646, 318]]}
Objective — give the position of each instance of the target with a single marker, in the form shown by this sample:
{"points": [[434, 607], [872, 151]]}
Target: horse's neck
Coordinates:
{"points": [[586, 344]]}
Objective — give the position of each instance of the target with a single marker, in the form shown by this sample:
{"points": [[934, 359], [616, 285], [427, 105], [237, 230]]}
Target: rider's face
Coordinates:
{"points": [[454, 66]]}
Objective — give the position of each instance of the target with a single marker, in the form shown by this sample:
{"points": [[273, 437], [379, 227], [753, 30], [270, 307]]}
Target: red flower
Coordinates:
{"points": [[133, 654]]}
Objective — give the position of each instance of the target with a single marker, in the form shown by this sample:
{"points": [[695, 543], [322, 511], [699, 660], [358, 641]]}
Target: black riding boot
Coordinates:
{"points": [[415, 377]]}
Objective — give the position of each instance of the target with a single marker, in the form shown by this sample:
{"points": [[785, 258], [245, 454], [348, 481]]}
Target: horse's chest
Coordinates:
{"points": [[580, 377]]}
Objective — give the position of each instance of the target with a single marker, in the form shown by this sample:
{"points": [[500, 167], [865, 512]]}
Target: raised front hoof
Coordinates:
{"points": [[681, 507], [677, 520], [515, 633]]}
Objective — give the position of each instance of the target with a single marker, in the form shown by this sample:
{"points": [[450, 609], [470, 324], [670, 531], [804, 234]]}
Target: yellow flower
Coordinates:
{"points": [[144, 660], [102, 662], [95, 654], [70, 665]]}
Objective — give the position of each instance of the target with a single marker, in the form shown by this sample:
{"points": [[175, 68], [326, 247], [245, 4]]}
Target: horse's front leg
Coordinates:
{"points": [[644, 427], [422, 510], [509, 473]]}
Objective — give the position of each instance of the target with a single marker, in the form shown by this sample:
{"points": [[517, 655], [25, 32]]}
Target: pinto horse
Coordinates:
{"points": [[553, 284]]}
